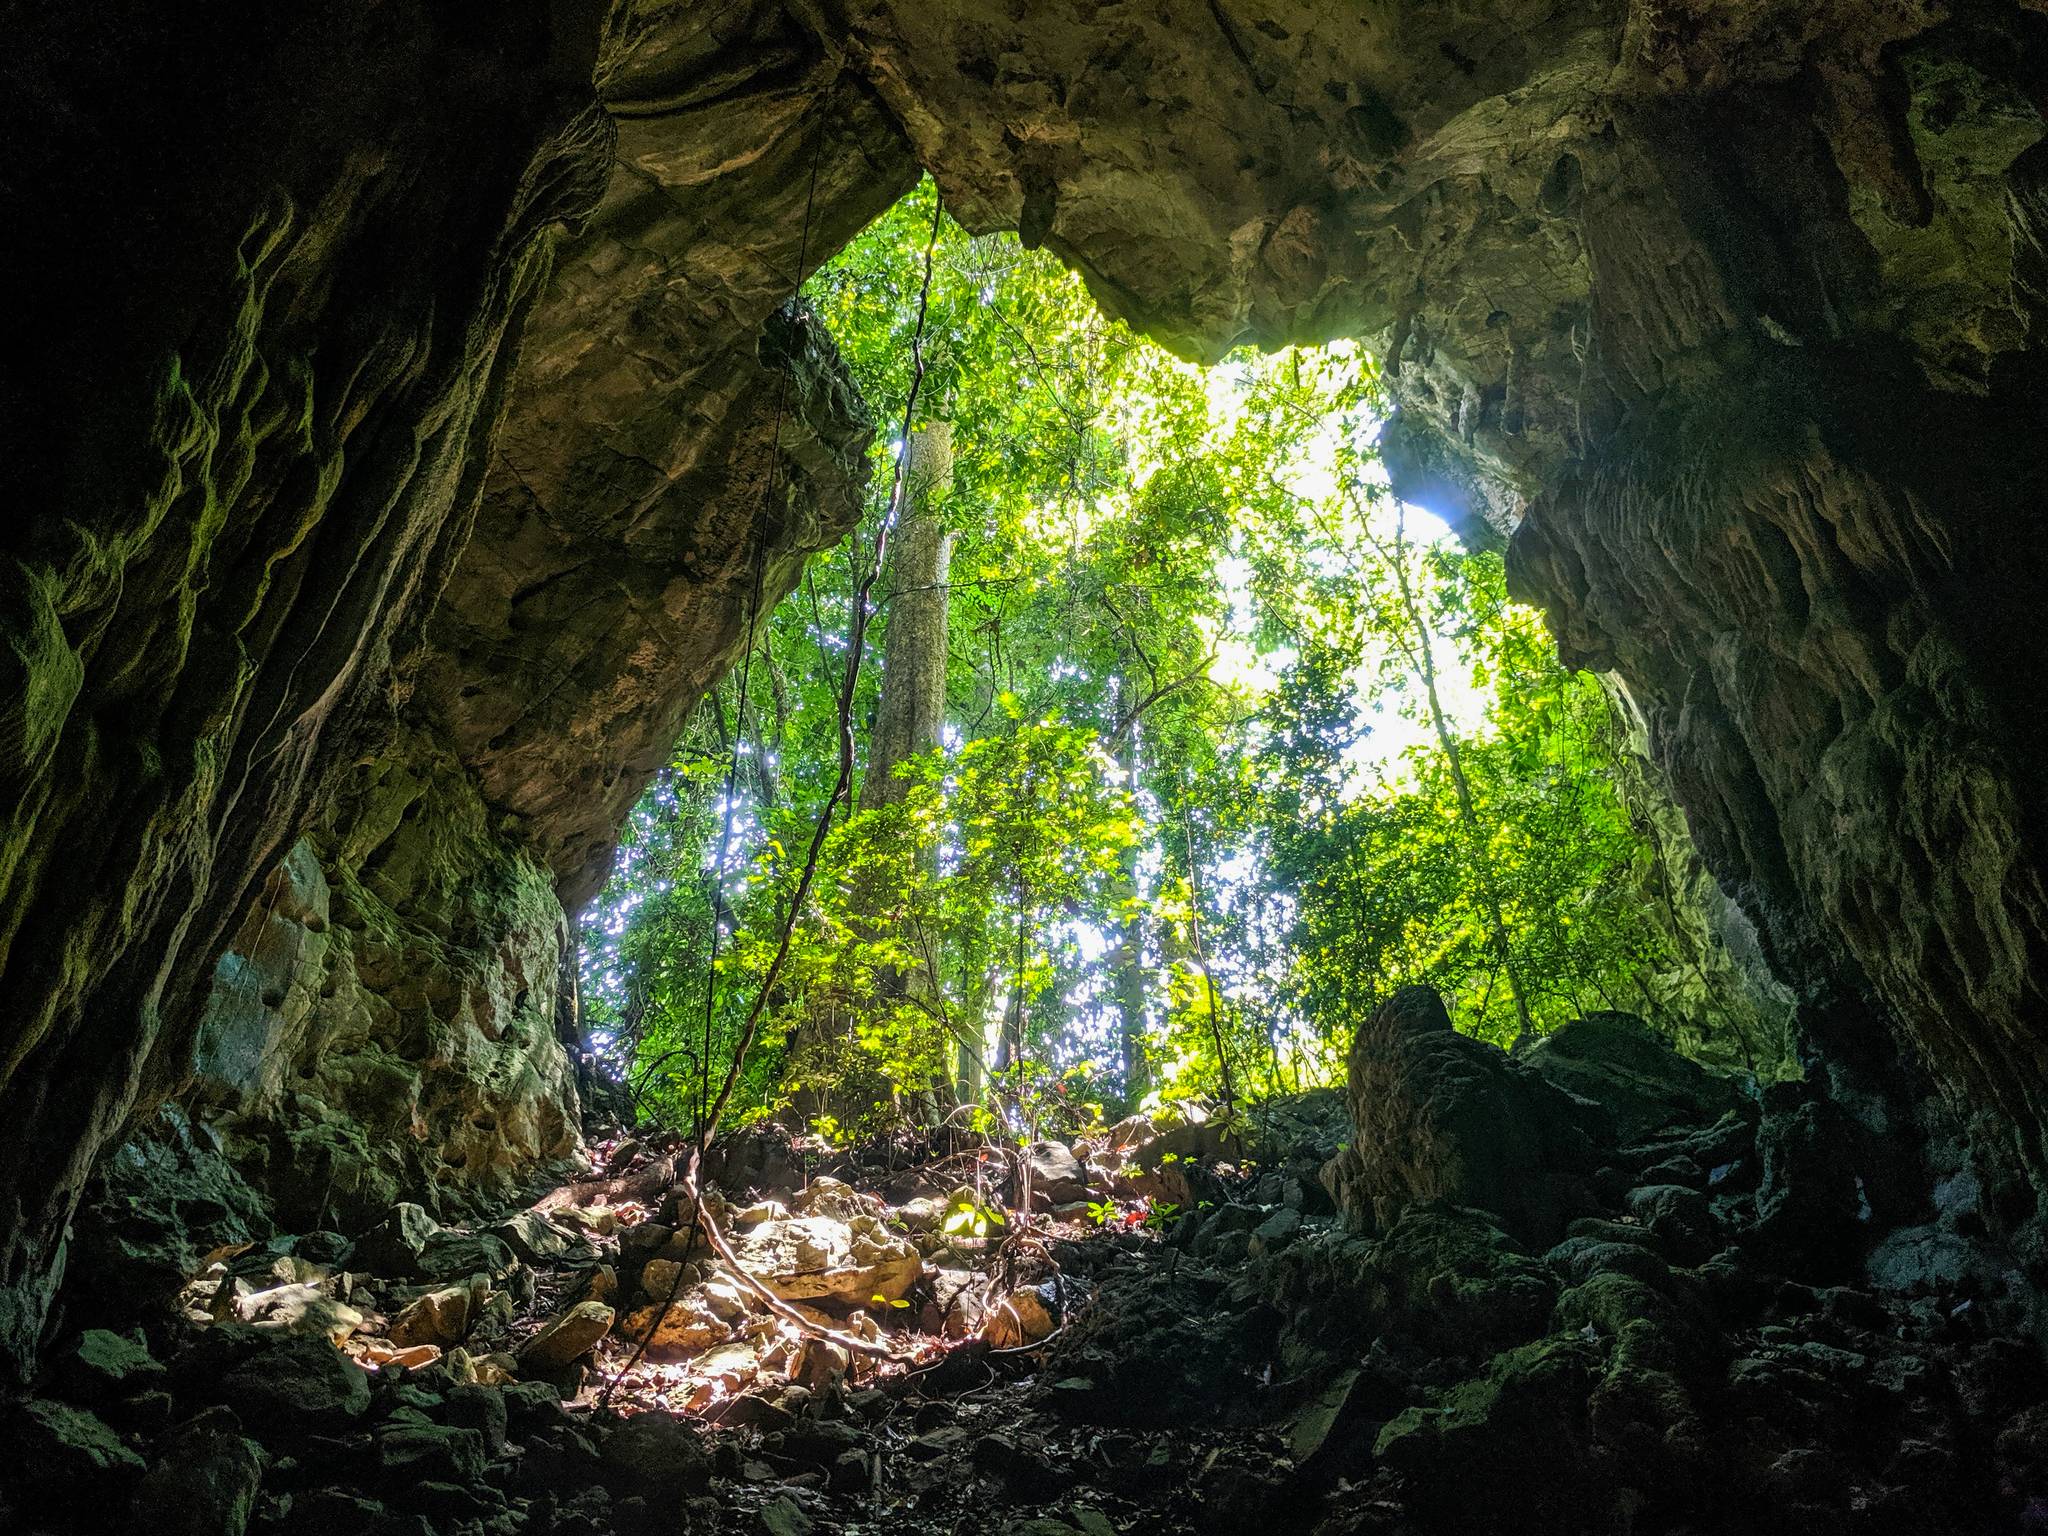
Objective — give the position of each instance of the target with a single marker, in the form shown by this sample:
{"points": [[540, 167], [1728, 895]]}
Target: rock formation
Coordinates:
{"points": [[249, 457], [1681, 1355], [1443, 1118], [1725, 316]]}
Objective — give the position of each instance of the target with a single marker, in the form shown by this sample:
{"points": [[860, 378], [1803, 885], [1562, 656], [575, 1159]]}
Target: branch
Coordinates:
{"points": [[1160, 693], [708, 1224], [856, 646], [1130, 634]]}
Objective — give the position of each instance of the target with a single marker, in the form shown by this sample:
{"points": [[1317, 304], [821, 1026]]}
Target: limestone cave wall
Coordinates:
{"points": [[396, 1013], [1725, 315], [266, 317], [390, 1020]]}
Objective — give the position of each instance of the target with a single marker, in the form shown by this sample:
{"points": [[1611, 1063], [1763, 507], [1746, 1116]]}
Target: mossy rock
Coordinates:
{"points": [[1509, 1449], [1623, 1065], [1443, 1118], [1451, 1275], [1579, 1259]]}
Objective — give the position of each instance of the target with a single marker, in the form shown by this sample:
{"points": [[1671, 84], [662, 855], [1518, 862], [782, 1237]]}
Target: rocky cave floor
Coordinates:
{"points": [[1697, 1327]]}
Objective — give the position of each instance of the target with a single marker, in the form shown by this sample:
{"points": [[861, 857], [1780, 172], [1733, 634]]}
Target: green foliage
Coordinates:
{"points": [[1391, 881], [1233, 748]]}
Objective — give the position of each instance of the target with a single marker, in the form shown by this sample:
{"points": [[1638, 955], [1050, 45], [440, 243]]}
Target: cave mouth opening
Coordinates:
{"points": [[1205, 745], [1162, 680], [1181, 745]]}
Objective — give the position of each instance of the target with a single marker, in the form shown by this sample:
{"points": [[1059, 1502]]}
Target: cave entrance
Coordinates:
{"points": [[1179, 742]]}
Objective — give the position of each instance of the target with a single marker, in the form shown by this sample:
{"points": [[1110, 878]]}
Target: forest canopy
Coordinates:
{"points": [[1178, 742]]}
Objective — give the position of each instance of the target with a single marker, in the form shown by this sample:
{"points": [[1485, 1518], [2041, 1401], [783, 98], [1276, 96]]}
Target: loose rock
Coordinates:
{"points": [[568, 1336]]}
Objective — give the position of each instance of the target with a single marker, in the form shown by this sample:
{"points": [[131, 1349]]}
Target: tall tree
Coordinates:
{"points": [[1126, 958], [1413, 641], [910, 710], [910, 714]]}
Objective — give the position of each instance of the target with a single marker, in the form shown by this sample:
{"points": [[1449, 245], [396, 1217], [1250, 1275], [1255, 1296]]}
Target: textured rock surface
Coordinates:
{"points": [[609, 581], [1731, 312], [570, 1336], [1720, 998], [392, 1027], [248, 457], [228, 650], [1442, 1118], [1619, 1063], [160, 1205]]}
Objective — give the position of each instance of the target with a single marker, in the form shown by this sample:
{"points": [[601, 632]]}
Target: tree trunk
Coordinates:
{"points": [[1202, 959], [1127, 956], [912, 709], [1423, 659]]}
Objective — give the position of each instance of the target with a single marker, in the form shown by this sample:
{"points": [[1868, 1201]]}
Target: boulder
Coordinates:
{"points": [[1579, 1258], [755, 1158], [1454, 1277], [659, 1455], [818, 1363], [531, 1406], [650, 1239], [449, 1254], [660, 1278], [107, 1367], [1439, 1117], [1309, 1124], [441, 1316], [394, 1245], [483, 1409], [1274, 1233], [444, 1452], [297, 1382], [567, 1337], [53, 1445], [823, 1196], [1514, 1438], [687, 1326], [1680, 1217], [1924, 1260], [306, 1307], [203, 1481], [165, 1205], [1019, 1319], [1057, 1176], [1812, 1204], [530, 1236], [594, 1220], [1620, 1063]]}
